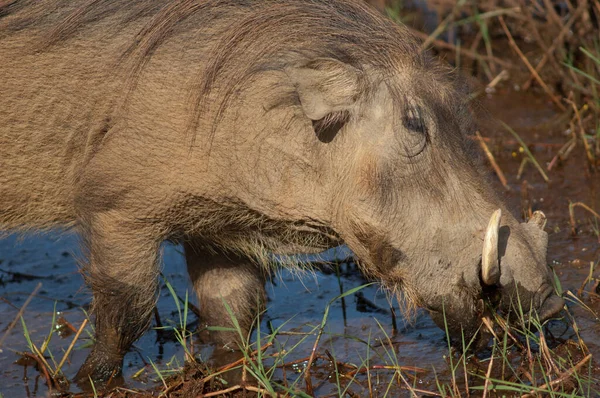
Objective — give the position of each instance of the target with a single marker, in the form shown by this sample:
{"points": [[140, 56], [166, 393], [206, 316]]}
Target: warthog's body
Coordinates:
{"points": [[241, 128]]}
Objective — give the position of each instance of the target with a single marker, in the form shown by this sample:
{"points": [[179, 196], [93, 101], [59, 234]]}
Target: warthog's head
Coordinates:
{"points": [[356, 131], [412, 203]]}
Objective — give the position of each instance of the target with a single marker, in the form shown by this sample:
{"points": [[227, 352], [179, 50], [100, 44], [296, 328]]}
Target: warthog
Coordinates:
{"points": [[243, 128]]}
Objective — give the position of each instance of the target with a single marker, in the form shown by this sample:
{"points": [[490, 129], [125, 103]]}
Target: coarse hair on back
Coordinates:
{"points": [[247, 37]]}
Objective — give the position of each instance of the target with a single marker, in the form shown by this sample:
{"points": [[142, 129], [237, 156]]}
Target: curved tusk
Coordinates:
{"points": [[490, 268], [538, 219]]}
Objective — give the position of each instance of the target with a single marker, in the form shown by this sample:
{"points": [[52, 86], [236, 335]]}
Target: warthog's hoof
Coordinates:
{"points": [[100, 371]]}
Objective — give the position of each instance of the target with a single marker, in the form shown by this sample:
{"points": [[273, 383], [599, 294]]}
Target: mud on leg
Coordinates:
{"points": [[122, 271]]}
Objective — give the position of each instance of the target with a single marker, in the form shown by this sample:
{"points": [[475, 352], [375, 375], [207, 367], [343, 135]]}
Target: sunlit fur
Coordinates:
{"points": [[138, 121]]}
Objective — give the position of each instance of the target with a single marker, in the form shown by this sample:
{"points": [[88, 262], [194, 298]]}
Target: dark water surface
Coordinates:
{"points": [[51, 260]]}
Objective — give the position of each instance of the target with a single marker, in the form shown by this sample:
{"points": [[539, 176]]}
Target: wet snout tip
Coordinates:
{"points": [[551, 307]]}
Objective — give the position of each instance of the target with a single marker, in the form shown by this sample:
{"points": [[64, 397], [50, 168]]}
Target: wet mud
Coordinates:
{"points": [[358, 328]]}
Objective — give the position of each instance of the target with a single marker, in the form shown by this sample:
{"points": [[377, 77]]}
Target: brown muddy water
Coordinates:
{"points": [[297, 304]]}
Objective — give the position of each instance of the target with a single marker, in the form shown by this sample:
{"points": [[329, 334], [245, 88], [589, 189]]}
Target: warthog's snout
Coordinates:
{"points": [[551, 304], [514, 278], [525, 268]]}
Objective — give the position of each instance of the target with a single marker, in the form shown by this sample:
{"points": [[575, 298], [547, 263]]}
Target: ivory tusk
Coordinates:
{"points": [[490, 267]]}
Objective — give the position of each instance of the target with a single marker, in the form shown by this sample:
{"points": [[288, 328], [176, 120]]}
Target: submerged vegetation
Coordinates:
{"points": [[546, 49]]}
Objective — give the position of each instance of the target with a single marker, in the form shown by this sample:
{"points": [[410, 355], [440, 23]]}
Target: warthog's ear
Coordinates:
{"points": [[325, 86]]}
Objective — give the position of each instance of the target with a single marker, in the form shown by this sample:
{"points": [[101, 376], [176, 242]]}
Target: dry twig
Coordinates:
{"points": [[555, 43], [20, 313], [492, 161], [572, 214], [563, 376], [515, 47], [85, 321], [463, 51]]}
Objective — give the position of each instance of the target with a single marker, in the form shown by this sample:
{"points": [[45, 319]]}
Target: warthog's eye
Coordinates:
{"points": [[413, 120], [414, 123]]}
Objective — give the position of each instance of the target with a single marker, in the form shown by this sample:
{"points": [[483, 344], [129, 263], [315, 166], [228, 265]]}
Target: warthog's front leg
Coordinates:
{"points": [[220, 278], [122, 272]]}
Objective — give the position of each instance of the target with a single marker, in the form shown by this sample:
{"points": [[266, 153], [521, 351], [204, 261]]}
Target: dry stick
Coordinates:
{"points": [[222, 392], [564, 151], [555, 44], [572, 214], [39, 354], [546, 354], [369, 383], [8, 303], [20, 313], [239, 387], [259, 390], [503, 75], [42, 365], [562, 377], [233, 364], [504, 325], [412, 390], [243, 360], [429, 393], [388, 367], [581, 344], [522, 167], [492, 160], [588, 150], [553, 15], [515, 142], [85, 321], [537, 36], [487, 376], [515, 47], [463, 51], [311, 359], [294, 362], [488, 324], [588, 279], [440, 28]]}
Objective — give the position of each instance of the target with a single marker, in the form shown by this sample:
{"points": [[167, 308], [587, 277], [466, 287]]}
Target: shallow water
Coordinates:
{"points": [[298, 304]]}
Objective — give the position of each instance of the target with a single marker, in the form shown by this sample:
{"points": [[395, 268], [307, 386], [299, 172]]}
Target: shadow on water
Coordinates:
{"points": [[299, 302]]}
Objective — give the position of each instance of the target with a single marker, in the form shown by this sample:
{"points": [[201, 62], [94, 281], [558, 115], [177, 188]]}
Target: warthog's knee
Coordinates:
{"points": [[228, 286]]}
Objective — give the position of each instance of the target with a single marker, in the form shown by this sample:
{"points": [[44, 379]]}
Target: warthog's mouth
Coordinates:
{"points": [[545, 304]]}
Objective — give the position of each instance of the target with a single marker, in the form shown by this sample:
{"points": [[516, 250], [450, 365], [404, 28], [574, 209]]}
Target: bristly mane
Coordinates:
{"points": [[260, 35]]}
